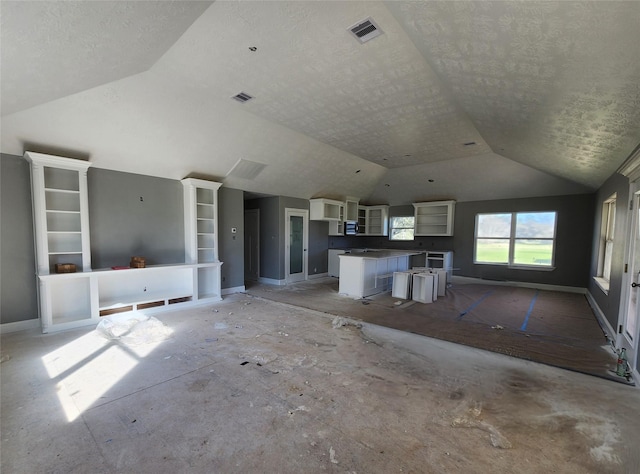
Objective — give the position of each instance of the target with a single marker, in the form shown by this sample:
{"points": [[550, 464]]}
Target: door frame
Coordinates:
{"points": [[633, 228], [304, 213]]}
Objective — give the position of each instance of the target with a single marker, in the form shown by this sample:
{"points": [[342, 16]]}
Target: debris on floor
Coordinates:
{"points": [[339, 322], [471, 419], [497, 326], [133, 328], [332, 455]]}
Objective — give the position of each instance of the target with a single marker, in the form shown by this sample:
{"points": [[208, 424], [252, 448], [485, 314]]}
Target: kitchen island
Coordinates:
{"points": [[370, 272]]}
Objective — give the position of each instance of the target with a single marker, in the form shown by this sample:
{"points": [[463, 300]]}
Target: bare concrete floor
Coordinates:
{"points": [[247, 385]]}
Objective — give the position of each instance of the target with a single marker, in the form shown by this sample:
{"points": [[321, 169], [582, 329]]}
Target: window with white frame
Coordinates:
{"points": [[606, 242], [522, 239], [401, 228]]}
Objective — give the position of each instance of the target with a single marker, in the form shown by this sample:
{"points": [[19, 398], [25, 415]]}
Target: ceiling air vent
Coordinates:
{"points": [[242, 97], [365, 30], [246, 169]]}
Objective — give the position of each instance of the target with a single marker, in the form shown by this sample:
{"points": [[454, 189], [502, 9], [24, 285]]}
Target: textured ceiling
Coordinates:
{"points": [[52, 49], [549, 92]]}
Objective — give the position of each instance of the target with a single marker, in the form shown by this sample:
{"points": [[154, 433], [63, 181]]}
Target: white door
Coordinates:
{"points": [[252, 244], [296, 243], [630, 328]]}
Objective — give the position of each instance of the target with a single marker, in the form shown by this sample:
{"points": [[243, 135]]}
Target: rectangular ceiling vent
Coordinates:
{"points": [[246, 169], [242, 97], [365, 30]]}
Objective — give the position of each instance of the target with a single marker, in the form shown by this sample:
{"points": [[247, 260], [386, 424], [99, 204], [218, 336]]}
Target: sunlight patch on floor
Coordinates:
{"points": [[86, 368]]}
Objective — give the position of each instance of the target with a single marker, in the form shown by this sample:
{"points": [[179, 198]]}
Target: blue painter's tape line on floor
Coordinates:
{"points": [[470, 308], [526, 318]]}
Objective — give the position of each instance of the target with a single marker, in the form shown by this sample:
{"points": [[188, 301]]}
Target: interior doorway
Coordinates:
{"points": [[296, 244], [252, 244]]}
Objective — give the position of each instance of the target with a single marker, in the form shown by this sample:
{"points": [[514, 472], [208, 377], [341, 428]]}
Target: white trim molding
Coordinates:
{"points": [[272, 281], [602, 319], [318, 275], [520, 284], [631, 167], [20, 326], [230, 291]]}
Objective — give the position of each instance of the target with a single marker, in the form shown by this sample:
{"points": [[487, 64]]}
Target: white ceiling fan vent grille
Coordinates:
{"points": [[365, 30], [242, 97]]}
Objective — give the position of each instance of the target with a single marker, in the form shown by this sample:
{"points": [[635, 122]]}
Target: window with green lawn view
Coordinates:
{"points": [[401, 228], [516, 238]]}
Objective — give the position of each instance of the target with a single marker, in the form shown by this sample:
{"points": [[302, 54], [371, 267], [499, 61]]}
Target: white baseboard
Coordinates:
{"points": [[235, 289], [604, 322], [272, 281], [318, 275], [19, 326], [520, 284]]}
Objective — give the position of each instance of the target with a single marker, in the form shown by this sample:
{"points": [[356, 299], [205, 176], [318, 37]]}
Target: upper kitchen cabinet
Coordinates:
{"points": [[434, 218], [373, 220], [351, 209], [322, 209]]}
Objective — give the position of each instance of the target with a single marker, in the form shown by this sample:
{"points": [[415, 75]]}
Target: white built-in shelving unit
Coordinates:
{"points": [[61, 211], [434, 218], [61, 221], [201, 235]]}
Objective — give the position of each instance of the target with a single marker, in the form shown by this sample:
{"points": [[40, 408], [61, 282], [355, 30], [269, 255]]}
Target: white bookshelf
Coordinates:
{"points": [[201, 236], [60, 211]]}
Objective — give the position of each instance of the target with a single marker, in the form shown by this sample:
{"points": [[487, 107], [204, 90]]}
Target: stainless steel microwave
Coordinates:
{"points": [[350, 228]]}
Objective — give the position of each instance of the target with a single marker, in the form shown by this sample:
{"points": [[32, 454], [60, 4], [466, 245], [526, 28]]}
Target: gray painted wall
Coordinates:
{"points": [[269, 235], [231, 246], [272, 236], [610, 303], [18, 292], [131, 214], [318, 254], [573, 239]]}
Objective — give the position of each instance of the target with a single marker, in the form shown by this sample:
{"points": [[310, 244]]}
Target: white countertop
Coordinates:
{"points": [[377, 254]]}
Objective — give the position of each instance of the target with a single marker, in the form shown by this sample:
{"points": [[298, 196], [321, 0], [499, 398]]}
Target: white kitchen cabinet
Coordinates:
{"points": [[337, 227], [434, 218], [368, 273], [423, 287], [373, 220], [362, 220], [322, 209], [440, 260], [351, 205]]}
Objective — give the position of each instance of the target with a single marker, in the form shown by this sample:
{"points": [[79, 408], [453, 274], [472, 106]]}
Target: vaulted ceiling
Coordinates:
{"points": [[459, 100]]}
